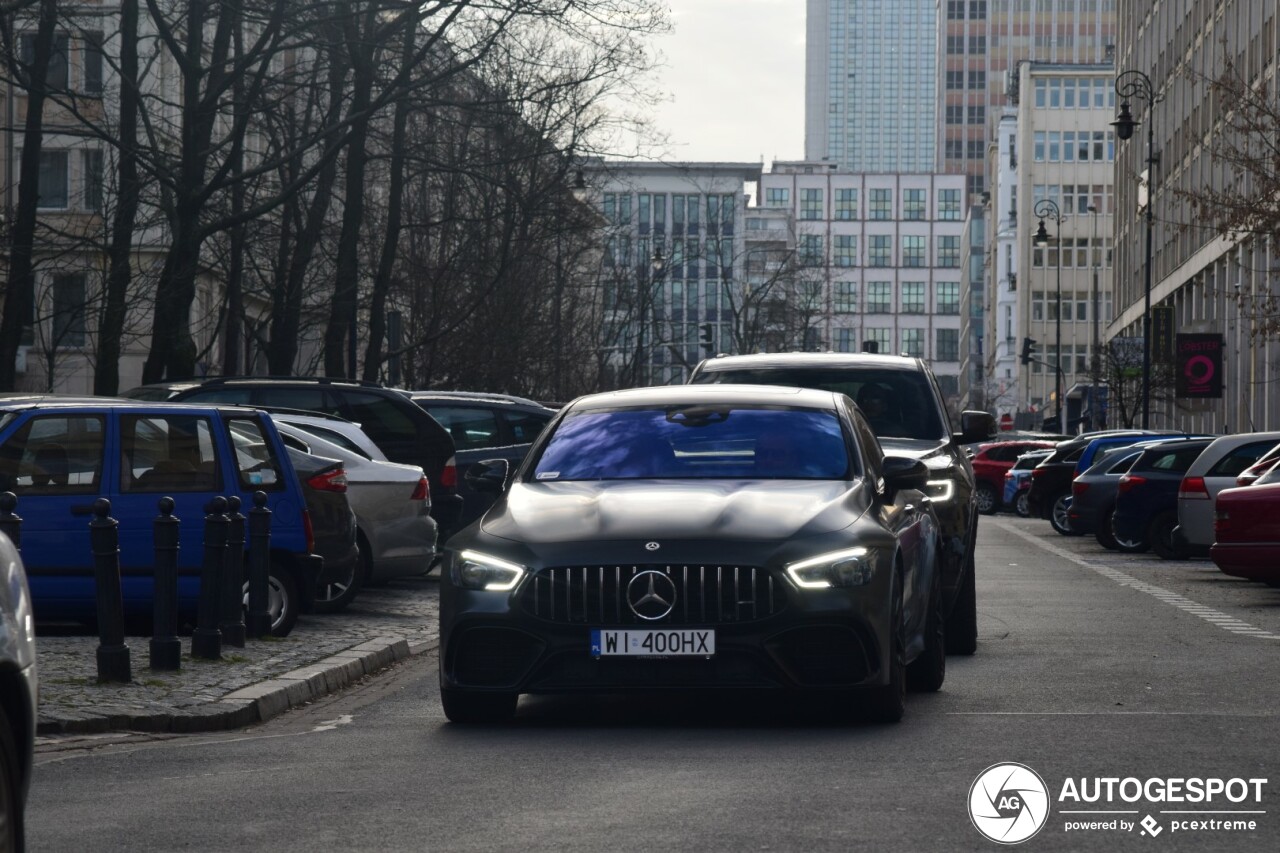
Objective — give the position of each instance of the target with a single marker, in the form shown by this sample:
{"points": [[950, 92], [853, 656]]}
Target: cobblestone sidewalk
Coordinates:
{"points": [[320, 655]]}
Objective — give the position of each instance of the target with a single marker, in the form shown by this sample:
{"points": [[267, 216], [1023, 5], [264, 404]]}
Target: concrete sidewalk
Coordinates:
{"points": [[321, 655]]}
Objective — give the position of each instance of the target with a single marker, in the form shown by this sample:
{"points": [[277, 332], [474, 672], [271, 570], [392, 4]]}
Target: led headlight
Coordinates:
{"points": [[940, 490], [473, 570], [850, 567]]}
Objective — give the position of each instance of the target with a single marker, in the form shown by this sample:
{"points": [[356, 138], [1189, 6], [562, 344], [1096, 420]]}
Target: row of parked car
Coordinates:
{"points": [[1177, 495], [362, 481]]}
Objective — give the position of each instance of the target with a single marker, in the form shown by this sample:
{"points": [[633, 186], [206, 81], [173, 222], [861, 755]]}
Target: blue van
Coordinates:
{"points": [[58, 457]]}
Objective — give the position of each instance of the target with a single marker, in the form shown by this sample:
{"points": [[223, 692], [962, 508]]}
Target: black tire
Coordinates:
{"points": [[463, 706], [335, 596], [888, 703], [1058, 516], [926, 673], [1102, 530], [283, 601], [1125, 546], [1020, 504], [962, 622], [1164, 544], [10, 789], [988, 500]]}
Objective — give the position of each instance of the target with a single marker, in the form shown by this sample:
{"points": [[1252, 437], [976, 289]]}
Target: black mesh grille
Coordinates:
{"points": [[704, 594]]}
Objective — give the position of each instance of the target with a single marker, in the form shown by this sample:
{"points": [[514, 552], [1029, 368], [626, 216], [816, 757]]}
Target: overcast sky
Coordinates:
{"points": [[734, 79]]}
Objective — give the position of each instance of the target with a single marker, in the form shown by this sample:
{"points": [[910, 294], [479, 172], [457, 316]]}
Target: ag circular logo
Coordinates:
{"points": [[1008, 803]]}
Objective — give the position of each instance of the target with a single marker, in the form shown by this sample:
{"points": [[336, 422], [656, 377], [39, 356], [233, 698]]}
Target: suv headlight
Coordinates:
{"points": [[850, 567], [940, 490], [473, 570]]}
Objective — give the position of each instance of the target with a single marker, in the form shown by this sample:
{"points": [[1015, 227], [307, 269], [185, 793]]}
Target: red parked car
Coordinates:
{"points": [[1246, 529], [989, 466]]}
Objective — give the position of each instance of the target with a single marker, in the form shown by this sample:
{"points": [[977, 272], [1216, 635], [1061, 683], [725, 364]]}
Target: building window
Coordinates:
{"points": [[810, 203], [846, 297], [955, 10], [977, 114], [913, 206], [947, 345], [955, 80], [882, 338], [976, 184], [846, 340], [949, 251], [978, 45], [846, 250], [777, 197], [955, 114], [846, 204], [53, 184], [882, 204], [977, 79], [978, 10], [68, 310], [913, 342], [913, 250], [955, 149], [92, 84], [955, 45], [56, 76], [880, 298], [810, 250], [949, 205], [913, 297], [1039, 143], [92, 174], [879, 250], [948, 297]]}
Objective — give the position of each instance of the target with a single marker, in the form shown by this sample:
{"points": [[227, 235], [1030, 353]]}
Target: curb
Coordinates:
{"points": [[256, 703]]}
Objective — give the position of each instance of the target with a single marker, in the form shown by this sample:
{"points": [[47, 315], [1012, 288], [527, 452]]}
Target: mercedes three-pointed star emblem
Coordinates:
{"points": [[651, 595]]}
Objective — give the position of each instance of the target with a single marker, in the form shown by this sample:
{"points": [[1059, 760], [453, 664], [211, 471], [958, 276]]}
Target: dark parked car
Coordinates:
{"points": [[1093, 496], [18, 689], [58, 457], [484, 426], [1147, 496], [401, 429], [990, 463], [1017, 481], [734, 537], [333, 528], [1050, 494], [903, 404]]}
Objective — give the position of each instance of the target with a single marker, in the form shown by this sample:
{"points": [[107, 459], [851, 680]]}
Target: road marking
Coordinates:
{"points": [[1208, 614]]}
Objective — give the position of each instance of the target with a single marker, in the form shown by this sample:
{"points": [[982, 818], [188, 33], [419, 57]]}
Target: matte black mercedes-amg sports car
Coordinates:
{"points": [[727, 536]]}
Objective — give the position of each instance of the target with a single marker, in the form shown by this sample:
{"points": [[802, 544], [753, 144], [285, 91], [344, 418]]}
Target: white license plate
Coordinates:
{"points": [[654, 643]]}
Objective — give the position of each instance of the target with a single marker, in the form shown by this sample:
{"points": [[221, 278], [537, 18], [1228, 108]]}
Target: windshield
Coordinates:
{"points": [[897, 403], [697, 442]]}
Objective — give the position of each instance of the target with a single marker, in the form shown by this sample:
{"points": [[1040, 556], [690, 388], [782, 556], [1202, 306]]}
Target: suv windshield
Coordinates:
{"points": [[696, 442], [897, 403]]}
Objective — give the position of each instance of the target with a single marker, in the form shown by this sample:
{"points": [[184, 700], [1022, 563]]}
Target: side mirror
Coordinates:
{"points": [[975, 426], [903, 472], [488, 475]]}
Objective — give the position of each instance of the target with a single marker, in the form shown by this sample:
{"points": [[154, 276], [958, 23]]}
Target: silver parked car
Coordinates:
{"points": [[392, 503], [1214, 470], [17, 692]]}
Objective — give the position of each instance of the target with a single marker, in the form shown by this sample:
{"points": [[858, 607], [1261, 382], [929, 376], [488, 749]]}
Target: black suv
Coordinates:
{"points": [[902, 402], [484, 426], [402, 429]]}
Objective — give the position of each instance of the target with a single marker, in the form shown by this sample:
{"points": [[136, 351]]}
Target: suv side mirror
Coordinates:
{"points": [[903, 472], [488, 475], [975, 426]]}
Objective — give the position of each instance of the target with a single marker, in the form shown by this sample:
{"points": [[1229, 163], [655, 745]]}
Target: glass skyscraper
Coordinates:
{"points": [[871, 84]]}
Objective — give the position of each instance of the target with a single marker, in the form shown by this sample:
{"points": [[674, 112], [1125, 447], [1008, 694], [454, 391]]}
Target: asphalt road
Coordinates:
{"points": [[1090, 665]]}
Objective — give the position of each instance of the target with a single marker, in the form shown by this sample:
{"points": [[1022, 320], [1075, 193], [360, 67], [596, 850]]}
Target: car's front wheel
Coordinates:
{"points": [[888, 703], [988, 502], [283, 603], [927, 672], [465, 706]]}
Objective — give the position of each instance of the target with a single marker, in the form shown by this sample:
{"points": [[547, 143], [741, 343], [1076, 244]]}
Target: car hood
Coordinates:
{"points": [[637, 509]]}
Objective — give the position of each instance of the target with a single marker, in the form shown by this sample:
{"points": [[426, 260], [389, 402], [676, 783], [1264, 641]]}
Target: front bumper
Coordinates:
{"points": [[820, 639]]}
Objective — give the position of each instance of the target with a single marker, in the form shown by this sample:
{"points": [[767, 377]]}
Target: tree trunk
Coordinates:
{"points": [[19, 302]]}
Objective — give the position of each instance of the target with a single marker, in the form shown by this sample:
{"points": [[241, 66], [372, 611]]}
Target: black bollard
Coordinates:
{"points": [[231, 618], [259, 559], [166, 648], [10, 523], [104, 537], [206, 639]]}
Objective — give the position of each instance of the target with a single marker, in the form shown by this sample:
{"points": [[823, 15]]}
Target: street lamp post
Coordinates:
{"points": [[1095, 365], [653, 283], [1048, 208], [1135, 84]]}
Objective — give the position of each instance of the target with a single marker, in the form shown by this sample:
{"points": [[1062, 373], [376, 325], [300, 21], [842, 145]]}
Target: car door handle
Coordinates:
{"points": [[82, 509]]}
